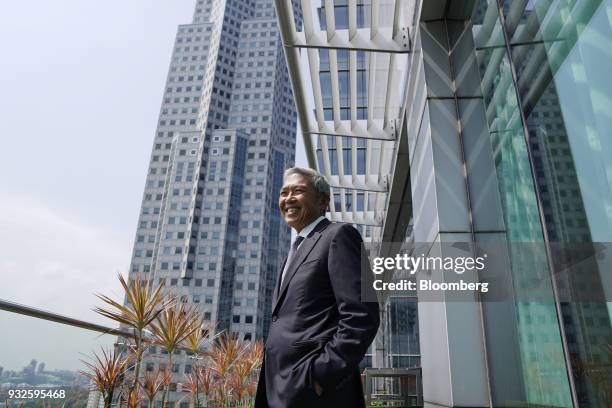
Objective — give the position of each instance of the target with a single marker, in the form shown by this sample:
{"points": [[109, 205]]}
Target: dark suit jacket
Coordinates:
{"points": [[320, 329]]}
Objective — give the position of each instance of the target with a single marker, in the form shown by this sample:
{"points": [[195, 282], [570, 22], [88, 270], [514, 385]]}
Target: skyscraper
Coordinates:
{"points": [[209, 229]]}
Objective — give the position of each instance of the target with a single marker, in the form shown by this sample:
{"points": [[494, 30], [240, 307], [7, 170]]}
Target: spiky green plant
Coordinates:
{"points": [[251, 389], [166, 377], [253, 357], [142, 305], [151, 383], [224, 358], [199, 339], [192, 384], [206, 380], [105, 372], [134, 398], [243, 374], [170, 329], [224, 353], [197, 343]]}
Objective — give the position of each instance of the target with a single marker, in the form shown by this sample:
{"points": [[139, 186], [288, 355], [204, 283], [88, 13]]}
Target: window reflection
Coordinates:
{"points": [[560, 54], [540, 347], [563, 78]]}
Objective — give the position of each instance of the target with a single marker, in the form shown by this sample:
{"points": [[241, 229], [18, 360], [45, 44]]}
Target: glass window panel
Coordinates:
{"points": [[347, 161], [341, 16], [326, 89], [342, 57], [343, 88], [361, 161], [362, 113], [346, 142], [322, 18], [320, 161], [403, 327], [345, 114], [328, 114], [361, 60], [337, 201], [348, 196], [323, 59], [360, 202], [361, 16], [333, 162], [362, 88]]}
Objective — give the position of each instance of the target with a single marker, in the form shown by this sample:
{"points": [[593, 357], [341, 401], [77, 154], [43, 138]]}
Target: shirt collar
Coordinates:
{"points": [[308, 229]]}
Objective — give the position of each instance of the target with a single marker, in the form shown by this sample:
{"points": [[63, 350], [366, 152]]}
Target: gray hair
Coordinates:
{"points": [[316, 179]]}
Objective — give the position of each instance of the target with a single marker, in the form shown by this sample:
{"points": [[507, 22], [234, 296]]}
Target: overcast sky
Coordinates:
{"points": [[81, 84]]}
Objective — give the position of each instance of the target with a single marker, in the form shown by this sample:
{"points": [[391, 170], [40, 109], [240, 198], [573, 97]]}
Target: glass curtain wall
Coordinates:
{"points": [[540, 346], [544, 67], [402, 333]]}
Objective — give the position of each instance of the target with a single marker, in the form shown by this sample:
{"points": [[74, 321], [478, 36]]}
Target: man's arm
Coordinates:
{"points": [[358, 322]]}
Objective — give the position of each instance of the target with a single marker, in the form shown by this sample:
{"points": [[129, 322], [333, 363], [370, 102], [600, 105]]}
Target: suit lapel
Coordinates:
{"points": [[304, 249]]}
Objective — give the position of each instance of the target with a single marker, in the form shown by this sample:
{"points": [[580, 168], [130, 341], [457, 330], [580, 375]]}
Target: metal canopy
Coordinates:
{"points": [[350, 123]]}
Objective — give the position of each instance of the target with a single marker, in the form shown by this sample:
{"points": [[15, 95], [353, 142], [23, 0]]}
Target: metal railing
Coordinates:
{"points": [[58, 318]]}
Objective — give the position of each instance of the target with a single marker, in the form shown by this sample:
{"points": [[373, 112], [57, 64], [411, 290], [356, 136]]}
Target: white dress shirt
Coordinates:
{"points": [[308, 229]]}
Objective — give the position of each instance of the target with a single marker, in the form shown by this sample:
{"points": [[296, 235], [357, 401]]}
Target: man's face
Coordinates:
{"points": [[300, 204]]}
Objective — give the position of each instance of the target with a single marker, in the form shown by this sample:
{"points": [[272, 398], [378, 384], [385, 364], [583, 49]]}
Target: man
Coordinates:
{"points": [[320, 328]]}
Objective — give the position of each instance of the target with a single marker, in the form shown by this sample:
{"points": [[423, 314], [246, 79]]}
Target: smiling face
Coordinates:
{"points": [[300, 204]]}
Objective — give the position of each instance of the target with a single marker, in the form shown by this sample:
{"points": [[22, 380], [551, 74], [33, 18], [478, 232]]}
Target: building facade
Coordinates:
{"points": [[482, 122], [209, 230]]}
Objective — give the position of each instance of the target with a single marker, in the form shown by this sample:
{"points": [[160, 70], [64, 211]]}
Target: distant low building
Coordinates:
{"points": [[95, 400]]}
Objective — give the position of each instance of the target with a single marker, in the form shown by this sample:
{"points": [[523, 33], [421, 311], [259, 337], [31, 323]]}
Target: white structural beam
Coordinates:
{"points": [[378, 188], [360, 218], [326, 164], [385, 47], [397, 12], [374, 16], [330, 19], [360, 40], [307, 19], [313, 64], [358, 130], [390, 84], [371, 88], [335, 85], [352, 18], [354, 158], [342, 181], [284, 10]]}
